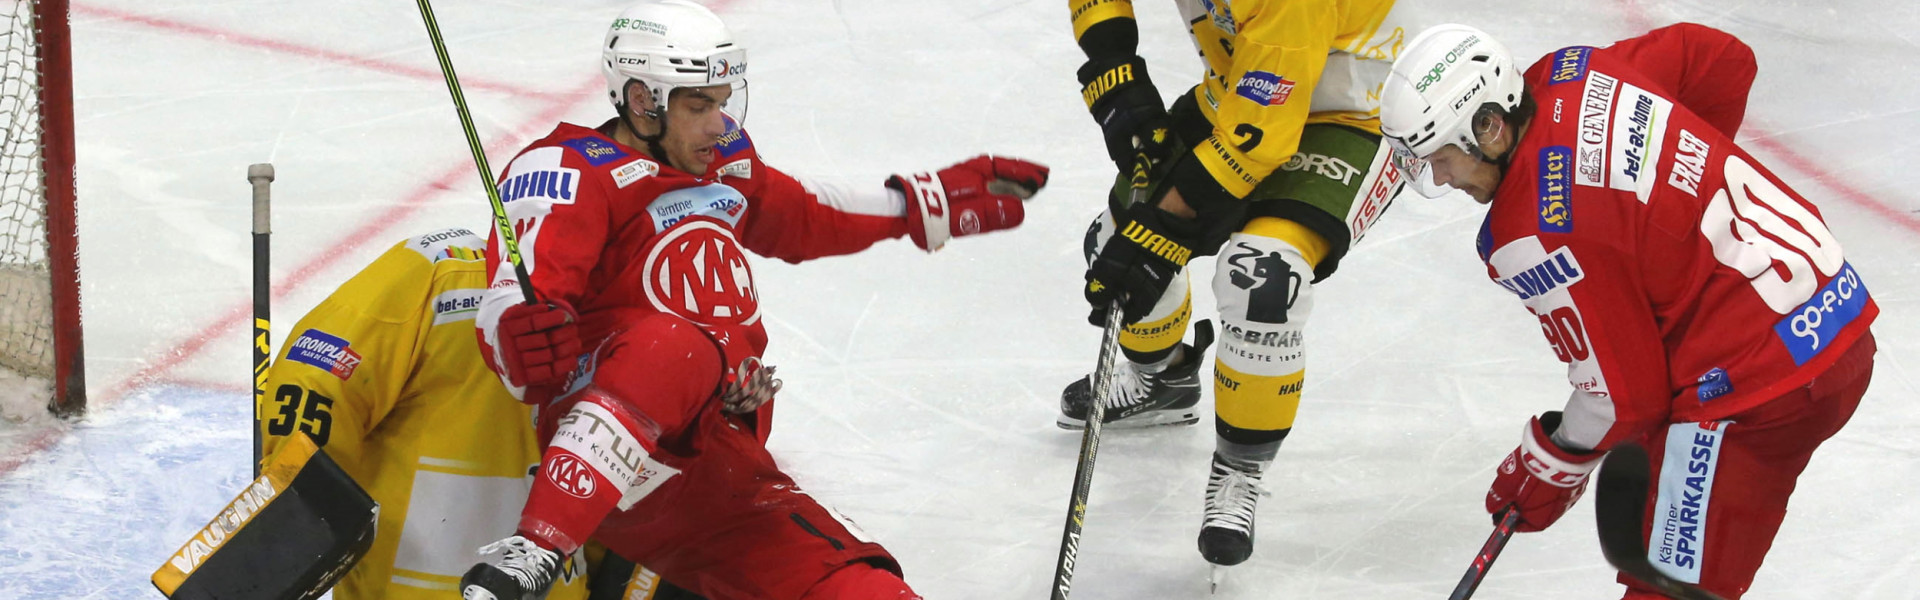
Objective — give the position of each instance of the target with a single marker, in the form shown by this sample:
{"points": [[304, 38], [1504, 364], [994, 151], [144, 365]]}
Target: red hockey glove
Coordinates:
{"points": [[1540, 479], [538, 343], [977, 196]]}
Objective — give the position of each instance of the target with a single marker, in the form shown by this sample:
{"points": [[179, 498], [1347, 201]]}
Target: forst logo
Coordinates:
{"points": [[571, 475], [698, 272]]}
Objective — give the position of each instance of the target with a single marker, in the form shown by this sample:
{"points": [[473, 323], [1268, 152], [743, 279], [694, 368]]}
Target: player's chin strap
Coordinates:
{"points": [[653, 141]]}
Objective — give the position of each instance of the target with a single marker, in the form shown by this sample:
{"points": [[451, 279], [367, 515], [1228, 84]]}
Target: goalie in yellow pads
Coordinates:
{"points": [[386, 377], [1274, 162]]}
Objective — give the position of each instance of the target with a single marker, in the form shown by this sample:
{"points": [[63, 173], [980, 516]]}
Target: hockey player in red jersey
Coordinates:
{"points": [[643, 353], [1704, 309]]}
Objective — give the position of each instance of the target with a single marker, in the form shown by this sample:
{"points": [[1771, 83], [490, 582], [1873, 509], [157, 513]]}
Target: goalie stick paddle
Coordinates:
{"points": [[1620, 512], [501, 223], [261, 176], [1483, 561]]}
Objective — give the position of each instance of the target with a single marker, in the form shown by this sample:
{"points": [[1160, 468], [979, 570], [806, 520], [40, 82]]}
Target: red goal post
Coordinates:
{"points": [[40, 340]]}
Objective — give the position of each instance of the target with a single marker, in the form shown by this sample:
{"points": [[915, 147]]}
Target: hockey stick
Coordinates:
{"points": [[1620, 515], [1089, 448], [261, 176], [501, 224], [1103, 374], [1483, 561]]}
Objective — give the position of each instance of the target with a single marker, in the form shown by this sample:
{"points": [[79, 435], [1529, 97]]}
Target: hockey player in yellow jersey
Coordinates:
{"points": [[386, 376], [1274, 162]]}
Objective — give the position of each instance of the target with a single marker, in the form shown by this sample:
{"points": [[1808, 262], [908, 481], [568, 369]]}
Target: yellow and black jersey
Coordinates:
{"points": [[386, 375], [1274, 66]]}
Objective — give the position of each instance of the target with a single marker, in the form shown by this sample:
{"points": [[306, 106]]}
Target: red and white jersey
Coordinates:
{"points": [[617, 234], [1678, 278]]}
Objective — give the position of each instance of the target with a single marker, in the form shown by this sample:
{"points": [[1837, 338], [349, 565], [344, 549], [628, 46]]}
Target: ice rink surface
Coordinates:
{"points": [[921, 391]]}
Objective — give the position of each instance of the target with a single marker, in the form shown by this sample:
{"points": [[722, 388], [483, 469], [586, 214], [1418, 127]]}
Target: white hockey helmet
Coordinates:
{"points": [[668, 44], [1444, 77]]}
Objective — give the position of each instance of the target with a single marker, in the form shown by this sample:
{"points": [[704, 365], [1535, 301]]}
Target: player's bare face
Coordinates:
{"points": [[1452, 166], [694, 124]]}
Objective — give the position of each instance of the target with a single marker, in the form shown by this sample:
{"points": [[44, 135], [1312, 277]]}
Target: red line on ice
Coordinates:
{"points": [[1638, 21], [377, 229], [372, 64]]}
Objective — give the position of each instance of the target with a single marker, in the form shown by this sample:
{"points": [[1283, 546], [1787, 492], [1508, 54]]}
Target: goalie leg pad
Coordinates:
{"points": [[293, 533]]}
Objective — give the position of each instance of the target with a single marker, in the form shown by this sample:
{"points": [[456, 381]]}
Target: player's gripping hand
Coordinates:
{"points": [[977, 196], [539, 343], [1138, 263], [1540, 479], [1128, 108]]}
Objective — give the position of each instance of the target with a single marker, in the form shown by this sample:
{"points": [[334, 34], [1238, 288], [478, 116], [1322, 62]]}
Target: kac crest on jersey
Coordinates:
{"points": [[696, 270]]}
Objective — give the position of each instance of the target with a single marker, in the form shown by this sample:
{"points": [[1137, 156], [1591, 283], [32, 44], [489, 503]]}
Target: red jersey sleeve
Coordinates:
{"points": [[1704, 69], [795, 222], [1589, 305], [557, 202]]}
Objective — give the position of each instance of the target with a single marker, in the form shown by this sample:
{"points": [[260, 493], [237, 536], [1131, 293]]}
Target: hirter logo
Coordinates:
{"points": [[571, 475], [697, 271]]}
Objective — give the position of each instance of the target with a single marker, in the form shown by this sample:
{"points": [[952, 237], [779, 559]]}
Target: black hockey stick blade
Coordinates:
{"points": [[1620, 515], [1483, 561]]}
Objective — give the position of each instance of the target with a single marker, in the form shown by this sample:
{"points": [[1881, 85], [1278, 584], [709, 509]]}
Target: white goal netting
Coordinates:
{"points": [[26, 297]]}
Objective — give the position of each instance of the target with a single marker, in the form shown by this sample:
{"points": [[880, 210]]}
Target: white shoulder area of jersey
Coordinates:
{"points": [[1538, 276], [455, 243]]}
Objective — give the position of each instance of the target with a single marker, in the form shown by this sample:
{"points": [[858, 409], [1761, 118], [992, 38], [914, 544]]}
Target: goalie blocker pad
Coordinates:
{"points": [[292, 534]]}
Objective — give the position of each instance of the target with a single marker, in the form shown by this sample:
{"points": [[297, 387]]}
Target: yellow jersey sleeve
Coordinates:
{"points": [[1266, 64], [342, 366], [1266, 93], [388, 371]]}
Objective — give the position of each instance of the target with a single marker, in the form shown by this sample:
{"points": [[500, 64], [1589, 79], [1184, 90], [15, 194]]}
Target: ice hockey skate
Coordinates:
{"points": [[1226, 533], [1144, 399], [511, 569]]}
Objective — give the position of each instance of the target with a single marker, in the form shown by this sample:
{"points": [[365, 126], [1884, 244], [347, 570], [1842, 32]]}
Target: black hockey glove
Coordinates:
{"points": [[1128, 109], [1138, 263]]}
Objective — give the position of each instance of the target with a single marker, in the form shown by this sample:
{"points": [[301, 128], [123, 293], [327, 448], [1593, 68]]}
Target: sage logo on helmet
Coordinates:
{"points": [[670, 44], [1441, 80]]}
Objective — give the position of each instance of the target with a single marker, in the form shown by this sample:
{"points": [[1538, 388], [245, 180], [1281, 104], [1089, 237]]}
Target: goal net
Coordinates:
{"points": [[39, 298]]}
